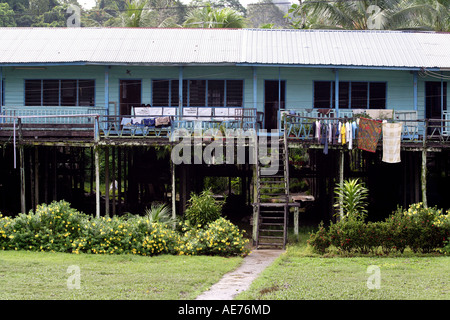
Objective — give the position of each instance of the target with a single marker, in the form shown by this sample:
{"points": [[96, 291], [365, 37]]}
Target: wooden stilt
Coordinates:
{"points": [[119, 175], [424, 178], [46, 171], [92, 172], [107, 181], [22, 179], [36, 176], [255, 204], [33, 204], [113, 178], [173, 191], [341, 182], [424, 167], [97, 182], [55, 176]]}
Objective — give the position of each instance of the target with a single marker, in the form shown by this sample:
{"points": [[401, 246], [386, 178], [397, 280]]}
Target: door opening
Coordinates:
{"points": [[435, 101], [130, 95], [274, 99]]}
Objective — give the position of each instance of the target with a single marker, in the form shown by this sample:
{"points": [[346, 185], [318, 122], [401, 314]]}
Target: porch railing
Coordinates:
{"points": [[51, 114], [49, 121], [300, 125]]}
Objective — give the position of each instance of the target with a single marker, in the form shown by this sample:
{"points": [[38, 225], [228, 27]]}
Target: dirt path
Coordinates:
{"points": [[240, 279]]}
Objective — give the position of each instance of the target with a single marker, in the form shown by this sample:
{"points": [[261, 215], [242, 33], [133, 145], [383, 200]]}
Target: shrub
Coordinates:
{"points": [[427, 228], [203, 208], [52, 227], [319, 240], [419, 228], [351, 198], [220, 237], [58, 227]]}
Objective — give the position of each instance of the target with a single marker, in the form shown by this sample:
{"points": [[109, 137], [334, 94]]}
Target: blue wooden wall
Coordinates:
{"points": [[299, 82]]}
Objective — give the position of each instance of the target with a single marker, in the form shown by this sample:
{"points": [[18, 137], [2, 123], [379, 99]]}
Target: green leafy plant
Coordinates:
{"points": [[203, 208], [351, 199], [420, 229], [160, 213]]}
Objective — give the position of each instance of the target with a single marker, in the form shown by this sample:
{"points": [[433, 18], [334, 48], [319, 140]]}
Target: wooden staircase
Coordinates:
{"points": [[272, 198]]}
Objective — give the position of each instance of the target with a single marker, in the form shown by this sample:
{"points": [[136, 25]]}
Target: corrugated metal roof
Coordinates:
{"points": [[225, 46]]}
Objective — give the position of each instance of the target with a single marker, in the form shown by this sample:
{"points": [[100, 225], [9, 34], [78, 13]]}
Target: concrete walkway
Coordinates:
{"points": [[240, 279]]}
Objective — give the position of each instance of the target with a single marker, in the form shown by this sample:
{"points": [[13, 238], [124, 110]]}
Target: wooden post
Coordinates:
{"points": [[255, 203], [113, 178], [46, 170], [55, 176], [341, 182], [107, 181], [36, 176], [91, 181], [119, 175], [33, 204], [97, 182], [296, 221], [22, 179], [173, 192], [424, 167]]}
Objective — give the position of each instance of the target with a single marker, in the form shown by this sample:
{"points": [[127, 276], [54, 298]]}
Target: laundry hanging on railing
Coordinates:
{"points": [[392, 134], [369, 132], [335, 133]]}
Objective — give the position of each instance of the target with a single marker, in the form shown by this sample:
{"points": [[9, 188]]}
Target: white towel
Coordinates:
{"points": [[392, 133]]}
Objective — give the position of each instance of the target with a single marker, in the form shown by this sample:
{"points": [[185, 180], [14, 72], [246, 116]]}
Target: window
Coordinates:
{"points": [[50, 93], [60, 93], [198, 93], [322, 94], [69, 92], [356, 95], [377, 97], [33, 92], [216, 93], [235, 93]]}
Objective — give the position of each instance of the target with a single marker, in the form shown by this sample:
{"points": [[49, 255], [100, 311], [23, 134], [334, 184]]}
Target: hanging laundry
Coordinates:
{"points": [[324, 138], [392, 134], [343, 134], [339, 132], [162, 121], [317, 132], [368, 134], [354, 129], [330, 133], [349, 135]]}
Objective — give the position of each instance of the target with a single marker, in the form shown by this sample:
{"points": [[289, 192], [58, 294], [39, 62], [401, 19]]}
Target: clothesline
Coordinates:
{"points": [[335, 133], [367, 132]]}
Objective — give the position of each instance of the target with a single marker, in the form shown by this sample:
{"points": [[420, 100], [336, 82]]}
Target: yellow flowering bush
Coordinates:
{"points": [[220, 237], [51, 227], [59, 227]]}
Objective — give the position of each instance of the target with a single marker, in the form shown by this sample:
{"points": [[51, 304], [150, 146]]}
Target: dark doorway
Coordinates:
{"points": [[435, 100], [274, 99], [130, 95]]}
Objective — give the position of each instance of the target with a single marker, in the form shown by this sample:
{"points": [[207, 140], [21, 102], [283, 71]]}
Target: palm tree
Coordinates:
{"points": [[356, 15], [208, 17], [431, 15], [137, 13], [372, 14]]}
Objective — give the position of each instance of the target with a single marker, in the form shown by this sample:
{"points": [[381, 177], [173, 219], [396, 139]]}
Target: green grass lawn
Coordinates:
{"points": [[43, 276], [299, 274]]}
